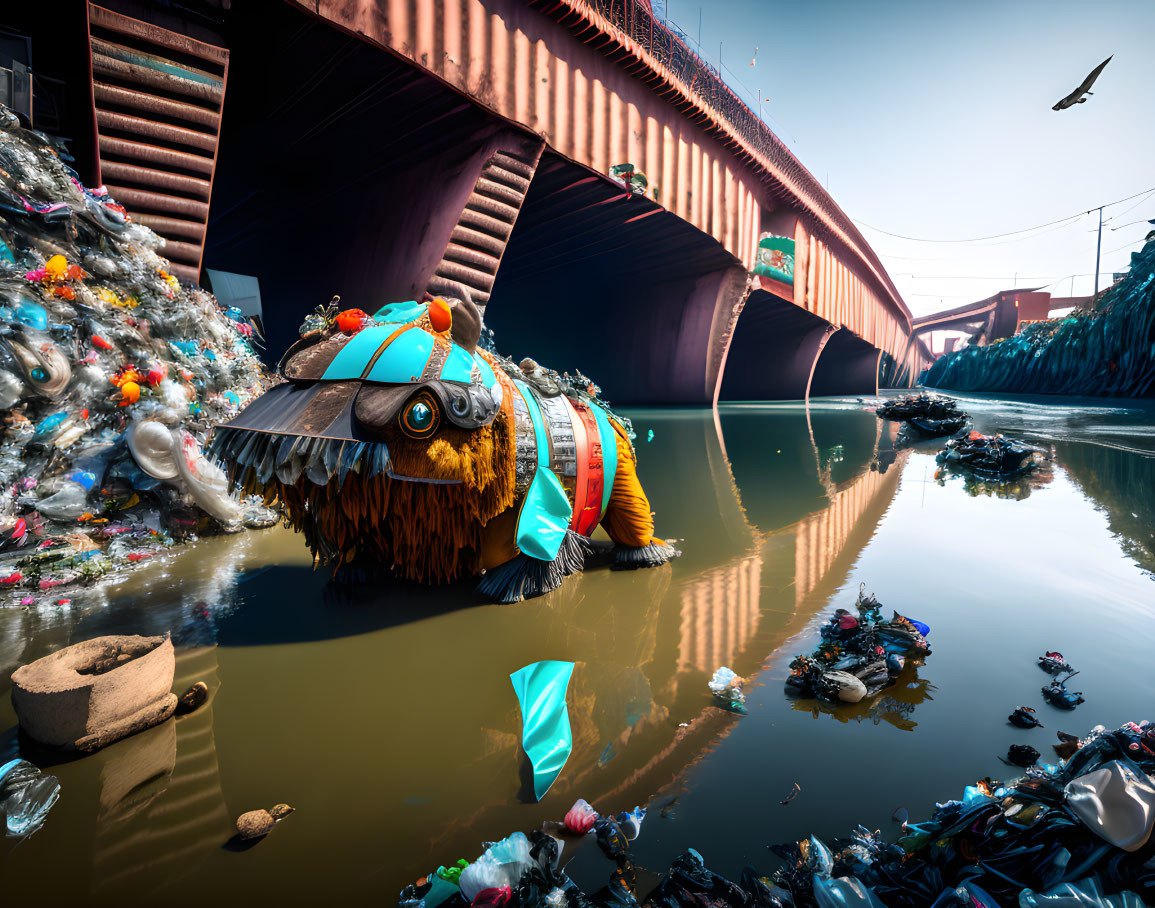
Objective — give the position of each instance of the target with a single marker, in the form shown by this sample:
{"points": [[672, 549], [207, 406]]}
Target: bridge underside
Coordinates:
{"points": [[848, 365], [615, 286], [342, 168], [774, 350], [345, 169]]}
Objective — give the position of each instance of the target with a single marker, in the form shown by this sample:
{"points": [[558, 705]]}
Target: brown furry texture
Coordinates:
{"points": [[428, 532]]}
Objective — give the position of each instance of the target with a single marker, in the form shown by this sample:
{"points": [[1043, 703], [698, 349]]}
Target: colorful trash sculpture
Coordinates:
{"points": [[545, 730]]}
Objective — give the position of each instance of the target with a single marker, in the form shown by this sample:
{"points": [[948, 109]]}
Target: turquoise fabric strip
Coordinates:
{"points": [[609, 453], [352, 358], [458, 366], [403, 360], [487, 377], [400, 313], [546, 511], [545, 729]]}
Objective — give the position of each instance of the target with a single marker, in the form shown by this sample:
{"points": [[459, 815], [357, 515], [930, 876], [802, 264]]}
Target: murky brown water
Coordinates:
{"points": [[386, 717]]}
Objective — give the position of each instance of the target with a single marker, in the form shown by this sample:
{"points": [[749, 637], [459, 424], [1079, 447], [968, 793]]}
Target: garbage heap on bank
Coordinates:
{"points": [[1072, 833], [1106, 350], [111, 375]]}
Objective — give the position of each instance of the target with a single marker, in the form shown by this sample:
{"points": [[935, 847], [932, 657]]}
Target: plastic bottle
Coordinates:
{"points": [[26, 796], [71, 500]]}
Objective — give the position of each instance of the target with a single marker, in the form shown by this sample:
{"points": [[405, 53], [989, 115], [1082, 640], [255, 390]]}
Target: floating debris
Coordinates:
{"points": [[1054, 664], [991, 456], [921, 428], [1056, 693], [1021, 755], [795, 790], [257, 823], [919, 406], [859, 656], [726, 687], [1025, 717]]}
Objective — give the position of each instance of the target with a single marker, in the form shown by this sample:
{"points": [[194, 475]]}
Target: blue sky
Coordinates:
{"points": [[933, 120]]}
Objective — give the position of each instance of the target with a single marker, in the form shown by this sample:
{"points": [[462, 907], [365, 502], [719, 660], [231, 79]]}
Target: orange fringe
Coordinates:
{"points": [[628, 519]]}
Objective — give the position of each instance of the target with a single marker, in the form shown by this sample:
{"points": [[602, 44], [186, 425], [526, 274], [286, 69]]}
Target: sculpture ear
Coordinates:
{"points": [[466, 329]]}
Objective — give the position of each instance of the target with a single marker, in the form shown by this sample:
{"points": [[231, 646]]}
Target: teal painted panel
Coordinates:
{"points": [[352, 359], [609, 453], [487, 377], [458, 366], [400, 313], [545, 730], [403, 360], [546, 511], [545, 516]]}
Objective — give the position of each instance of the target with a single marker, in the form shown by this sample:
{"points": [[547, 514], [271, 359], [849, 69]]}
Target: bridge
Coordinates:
{"points": [[996, 317], [390, 148]]}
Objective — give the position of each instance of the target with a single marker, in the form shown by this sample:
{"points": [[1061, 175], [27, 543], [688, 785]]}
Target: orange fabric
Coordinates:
{"points": [[628, 519]]}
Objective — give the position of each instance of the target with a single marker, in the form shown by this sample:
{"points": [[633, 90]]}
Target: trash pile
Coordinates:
{"points": [[990, 456], [919, 406], [1073, 833], [858, 656], [111, 375], [1104, 351], [1077, 832], [924, 416]]}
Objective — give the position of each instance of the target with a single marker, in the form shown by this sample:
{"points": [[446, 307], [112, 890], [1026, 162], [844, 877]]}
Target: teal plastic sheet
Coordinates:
{"points": [[545, 731]]}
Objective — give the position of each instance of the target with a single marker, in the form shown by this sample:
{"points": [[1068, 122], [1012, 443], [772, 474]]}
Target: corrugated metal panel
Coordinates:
{"points": [[158, 97]]}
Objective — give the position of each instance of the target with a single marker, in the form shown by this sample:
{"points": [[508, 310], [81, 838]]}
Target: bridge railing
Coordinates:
{"points": [[668, 45]]}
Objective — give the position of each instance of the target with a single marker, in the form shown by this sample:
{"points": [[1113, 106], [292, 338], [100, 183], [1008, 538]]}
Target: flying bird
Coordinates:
{"points": [[1076, 97]]}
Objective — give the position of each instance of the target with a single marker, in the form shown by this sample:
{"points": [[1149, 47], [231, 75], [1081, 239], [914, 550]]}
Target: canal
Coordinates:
{"points": [[385, 714]]}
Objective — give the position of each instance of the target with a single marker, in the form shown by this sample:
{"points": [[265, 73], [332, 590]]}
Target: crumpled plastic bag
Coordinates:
{"points": [[175, 456], [844, 892], [1117, 802], [1080, 894], [502, 865]]}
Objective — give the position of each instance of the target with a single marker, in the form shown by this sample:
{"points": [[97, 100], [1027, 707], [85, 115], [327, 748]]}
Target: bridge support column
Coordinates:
{"points": [[609, 282], [848, 365], [772, 351]]}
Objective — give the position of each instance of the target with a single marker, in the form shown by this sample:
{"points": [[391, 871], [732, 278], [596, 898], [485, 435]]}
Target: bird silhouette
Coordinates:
{"points": [[1076, 97]]}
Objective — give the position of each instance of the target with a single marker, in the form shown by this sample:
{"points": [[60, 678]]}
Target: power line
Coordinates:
{"points": [[998, 236], [1133, 223], [1130, 207]]}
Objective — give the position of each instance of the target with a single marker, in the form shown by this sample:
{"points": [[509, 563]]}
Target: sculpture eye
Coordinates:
{"points": [[421, 417]]}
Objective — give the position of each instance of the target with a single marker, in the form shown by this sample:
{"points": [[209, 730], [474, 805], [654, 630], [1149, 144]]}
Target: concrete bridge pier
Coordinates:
{"points": [[848, 365], [773, 351]]}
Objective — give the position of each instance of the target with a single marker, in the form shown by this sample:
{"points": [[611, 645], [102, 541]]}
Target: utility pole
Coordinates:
{"points": [[1098, 249]]}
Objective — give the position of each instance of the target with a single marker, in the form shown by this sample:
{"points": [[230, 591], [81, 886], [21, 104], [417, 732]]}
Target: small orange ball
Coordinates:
{"points": [[351, 320], [130, 391], [440, 315]]}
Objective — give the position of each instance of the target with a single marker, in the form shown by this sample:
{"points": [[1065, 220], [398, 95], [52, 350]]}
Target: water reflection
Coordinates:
{"points": [[895, 705], [1122, 483], [387, 709]]}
